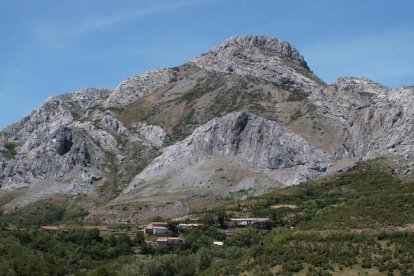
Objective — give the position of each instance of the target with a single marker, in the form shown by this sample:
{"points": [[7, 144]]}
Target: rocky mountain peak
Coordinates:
{"points": [[264, 43], [264, 57]]}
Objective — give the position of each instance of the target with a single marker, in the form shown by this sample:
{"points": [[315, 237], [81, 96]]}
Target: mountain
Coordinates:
{"points": [[242, 119]]}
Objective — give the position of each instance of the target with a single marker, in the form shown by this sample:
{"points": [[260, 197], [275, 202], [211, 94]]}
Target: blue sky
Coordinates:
{"points": [[51, 47]]}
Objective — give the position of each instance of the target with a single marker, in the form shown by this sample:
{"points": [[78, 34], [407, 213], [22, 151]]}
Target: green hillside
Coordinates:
{"points": [[357, 222]]}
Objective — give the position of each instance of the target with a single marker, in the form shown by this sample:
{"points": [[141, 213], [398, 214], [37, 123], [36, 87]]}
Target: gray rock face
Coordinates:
{"points": [[378, 119], [383, 128], [245, 141], [346, 97], [139, 86], [48, 144], [263, 143], [263, 57], [359, 84], [108, 120], [66, 143], [151, 134]]}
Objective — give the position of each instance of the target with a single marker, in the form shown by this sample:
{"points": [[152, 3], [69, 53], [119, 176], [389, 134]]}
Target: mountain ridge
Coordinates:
{"points": [[98, 142]]}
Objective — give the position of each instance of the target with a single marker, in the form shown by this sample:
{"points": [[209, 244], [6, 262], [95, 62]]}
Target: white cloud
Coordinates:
{"points": [[50, 31]]}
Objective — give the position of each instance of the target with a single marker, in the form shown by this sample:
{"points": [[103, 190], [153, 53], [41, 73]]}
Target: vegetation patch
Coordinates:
{"points": [[119, 175], [297, 96], [366, 94], [367, 196], [298, 113], [46, 211], [11, 150]]}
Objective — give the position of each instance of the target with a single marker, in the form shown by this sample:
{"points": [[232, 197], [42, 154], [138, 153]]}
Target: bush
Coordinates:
{"points": [[245, 238]]}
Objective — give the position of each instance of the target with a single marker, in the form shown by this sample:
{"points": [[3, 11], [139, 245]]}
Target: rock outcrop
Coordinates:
{"points": [[385, 127], [245, 141], [139, 86], [51, 143], [263, 57], [69, 142]]}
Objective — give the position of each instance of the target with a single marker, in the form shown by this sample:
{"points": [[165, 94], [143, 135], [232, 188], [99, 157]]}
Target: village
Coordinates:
{"points": [[160, 230], [171, 233]]}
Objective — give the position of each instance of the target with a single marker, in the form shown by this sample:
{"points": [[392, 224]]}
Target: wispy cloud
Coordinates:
{"points": [[385, 56], [100, 22]]}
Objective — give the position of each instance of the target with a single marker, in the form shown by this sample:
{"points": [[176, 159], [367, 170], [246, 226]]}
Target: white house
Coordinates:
{"points": [[187, 226], [259, 222], [155, 230]]}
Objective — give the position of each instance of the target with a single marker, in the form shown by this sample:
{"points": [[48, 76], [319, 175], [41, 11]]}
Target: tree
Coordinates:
{"points": [[139, 238], [208, 219], [221, 217], [246, 238], [172, 226], [146, 249]]}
